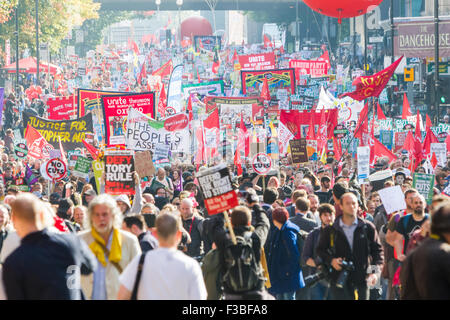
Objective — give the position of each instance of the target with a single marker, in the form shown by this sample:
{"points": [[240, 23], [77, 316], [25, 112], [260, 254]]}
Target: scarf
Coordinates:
{"points": [[115, 254]]}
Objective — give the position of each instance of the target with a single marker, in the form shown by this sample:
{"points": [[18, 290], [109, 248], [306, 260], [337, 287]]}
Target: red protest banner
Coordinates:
{"points": [[218, 192], [312, 68], [62, 108], [115, 110], [262, 61], [119, 169]]}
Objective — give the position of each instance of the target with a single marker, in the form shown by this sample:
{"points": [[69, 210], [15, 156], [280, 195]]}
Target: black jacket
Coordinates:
{"points": [[43, 265], [194, 226], [147, 241], [215, 227], [425, 273], [367, 249]]}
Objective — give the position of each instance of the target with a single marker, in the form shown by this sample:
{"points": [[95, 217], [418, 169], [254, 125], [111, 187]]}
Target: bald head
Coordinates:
{"points": [[186, 208]]}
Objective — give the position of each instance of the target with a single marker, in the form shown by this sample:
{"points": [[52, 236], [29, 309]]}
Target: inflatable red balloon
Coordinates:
{"points": [[342, 8], [195, 26]]}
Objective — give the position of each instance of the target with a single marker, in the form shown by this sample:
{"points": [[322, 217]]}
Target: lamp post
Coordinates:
{"points": [[17, 48], [179, 4], [436, 58], [37, 41], [158, 3]]}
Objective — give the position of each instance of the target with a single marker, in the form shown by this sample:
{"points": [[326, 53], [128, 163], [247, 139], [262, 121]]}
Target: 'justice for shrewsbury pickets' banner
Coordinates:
{"points": [[115, 111], [72, 132], [252, 81], [144, 133]]}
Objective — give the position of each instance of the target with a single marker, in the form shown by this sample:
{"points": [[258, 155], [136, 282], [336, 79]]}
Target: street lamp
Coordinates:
{"points": [[158, 3], [179, 4], [37, 42]]}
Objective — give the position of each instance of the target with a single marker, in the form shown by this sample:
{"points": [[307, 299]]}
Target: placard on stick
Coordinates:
{"points": [[299, 151], [144, 164], [393, 199], [119, 167], [218, 192]]}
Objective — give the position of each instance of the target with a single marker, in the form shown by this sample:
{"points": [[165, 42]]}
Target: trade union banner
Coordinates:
{"points": [[212, 88], [115, 112], [312, 68], [62, 108], [144, 133], [71, 132], [262, 61], [207, 42], [252, 81], [415, 39]]}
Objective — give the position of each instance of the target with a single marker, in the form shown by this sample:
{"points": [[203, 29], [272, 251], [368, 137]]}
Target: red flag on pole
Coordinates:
{"points": [[406, 112], [418, 134], [429, 139], [38, 147], [381, 151], [91, 149], [428, 122], [162, 102], [380, 113], [265, 93], [434, 161]]}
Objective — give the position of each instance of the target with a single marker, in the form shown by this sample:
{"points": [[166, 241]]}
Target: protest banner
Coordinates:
{"points": [[144, 133], [378, 179], [252, 81], [424, 184], [115, 110], [62, 108], [311, 149], [399, 140], [20, 149], [363, 157], [119, 168], [174, 93], [98, 167], [298, 151], [309, 67], [440, 149], [143, 163], [38, 147], [211, 88], [284, 136], [208, 43], [2, 96], [56, 169], [82, 167], [71, 132], [260, 61], [215, 183], [393, 199], [161, 151]]}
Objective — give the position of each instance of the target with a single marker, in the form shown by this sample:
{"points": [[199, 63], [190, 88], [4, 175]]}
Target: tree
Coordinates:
{"points": [[6, 8]]}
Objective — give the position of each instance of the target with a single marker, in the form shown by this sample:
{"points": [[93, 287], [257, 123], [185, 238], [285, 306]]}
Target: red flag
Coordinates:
{"points": [[337, 149], [238, 161], [409, 142], [38, 147], [434, 161], [133, 46], [189, 105], [213, 119], [418, 134], [362, 123], [381, 151], [429, 139], [406, 112], [282, 49], [244, 137], [372, 138], [380, 113], [267, 42], [428, 122], [322, 139], [325, 57], [447, 141], [165, 70], [61, 149], [372, 86], [200, 156], [91, 149], [216, 63], [311, 132], [265, 93], [162, 102], [142, 74], [235, 56]]}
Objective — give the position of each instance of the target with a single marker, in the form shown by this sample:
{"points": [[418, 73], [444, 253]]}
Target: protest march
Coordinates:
{"points": [[204, 169]]}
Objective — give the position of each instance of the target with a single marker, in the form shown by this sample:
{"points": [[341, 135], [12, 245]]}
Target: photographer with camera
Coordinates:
{"points": [[348, 246]]}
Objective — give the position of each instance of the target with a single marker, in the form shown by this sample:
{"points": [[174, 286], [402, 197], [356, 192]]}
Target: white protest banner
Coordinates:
{"points": [[393, 199], [440, 149], [144, 133], [363, 156], [284, 136], [161, 151]]}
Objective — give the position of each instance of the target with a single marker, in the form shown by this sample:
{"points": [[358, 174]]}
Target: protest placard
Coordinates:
{"points": [[98, 167], [119, 167], [144, 164], [298, 151], [393, 199], [82, 167], [363, 164], [440, 149], [424, 184], [217, 189]]}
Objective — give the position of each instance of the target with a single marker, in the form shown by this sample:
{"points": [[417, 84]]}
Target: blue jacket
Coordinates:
{"points": [[283, 260]]}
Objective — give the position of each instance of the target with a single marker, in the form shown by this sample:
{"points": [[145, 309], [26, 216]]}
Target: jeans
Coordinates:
{"points": [[319, 291], [348, 292], [285, 296]]}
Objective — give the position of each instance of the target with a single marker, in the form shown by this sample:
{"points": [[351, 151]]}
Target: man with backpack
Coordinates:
{"points": [[240, 252]]}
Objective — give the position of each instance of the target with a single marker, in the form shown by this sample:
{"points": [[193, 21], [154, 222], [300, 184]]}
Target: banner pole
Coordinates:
{"points": [[230, 227]]}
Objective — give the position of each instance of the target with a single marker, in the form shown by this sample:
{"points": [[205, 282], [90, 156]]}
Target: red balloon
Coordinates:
{"points": [[195, 26], [342, 8]]}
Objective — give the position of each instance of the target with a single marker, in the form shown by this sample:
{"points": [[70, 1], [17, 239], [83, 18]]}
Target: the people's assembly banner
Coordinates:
{"points": [[115, 111], [62, 108], [261, 61], [71, 132], [252, 81], [207, 42], [217, 189], [144, 133], [312, 68], [119, 168], [89, 102]]}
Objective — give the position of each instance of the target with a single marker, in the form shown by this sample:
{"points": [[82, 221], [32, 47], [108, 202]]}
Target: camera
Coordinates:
{"points": [[322, 273], [347, 267]]}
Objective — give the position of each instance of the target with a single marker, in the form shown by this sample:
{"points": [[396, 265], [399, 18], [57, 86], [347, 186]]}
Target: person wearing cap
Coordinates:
{"points": [[425, 272], [88, 196], [283, 258], [124, 202]]}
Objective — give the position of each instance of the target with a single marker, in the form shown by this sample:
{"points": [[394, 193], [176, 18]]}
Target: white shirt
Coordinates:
{"points": [[167, 274]]}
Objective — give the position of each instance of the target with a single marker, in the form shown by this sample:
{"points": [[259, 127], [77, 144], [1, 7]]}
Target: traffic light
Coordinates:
{"points": [[442, 99]]}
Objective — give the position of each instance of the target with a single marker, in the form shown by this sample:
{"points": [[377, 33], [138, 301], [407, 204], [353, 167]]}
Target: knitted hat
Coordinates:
{"points": [[280, 215]]}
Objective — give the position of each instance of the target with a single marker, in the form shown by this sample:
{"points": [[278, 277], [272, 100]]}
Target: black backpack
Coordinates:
{"points": [[242, 271]]}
